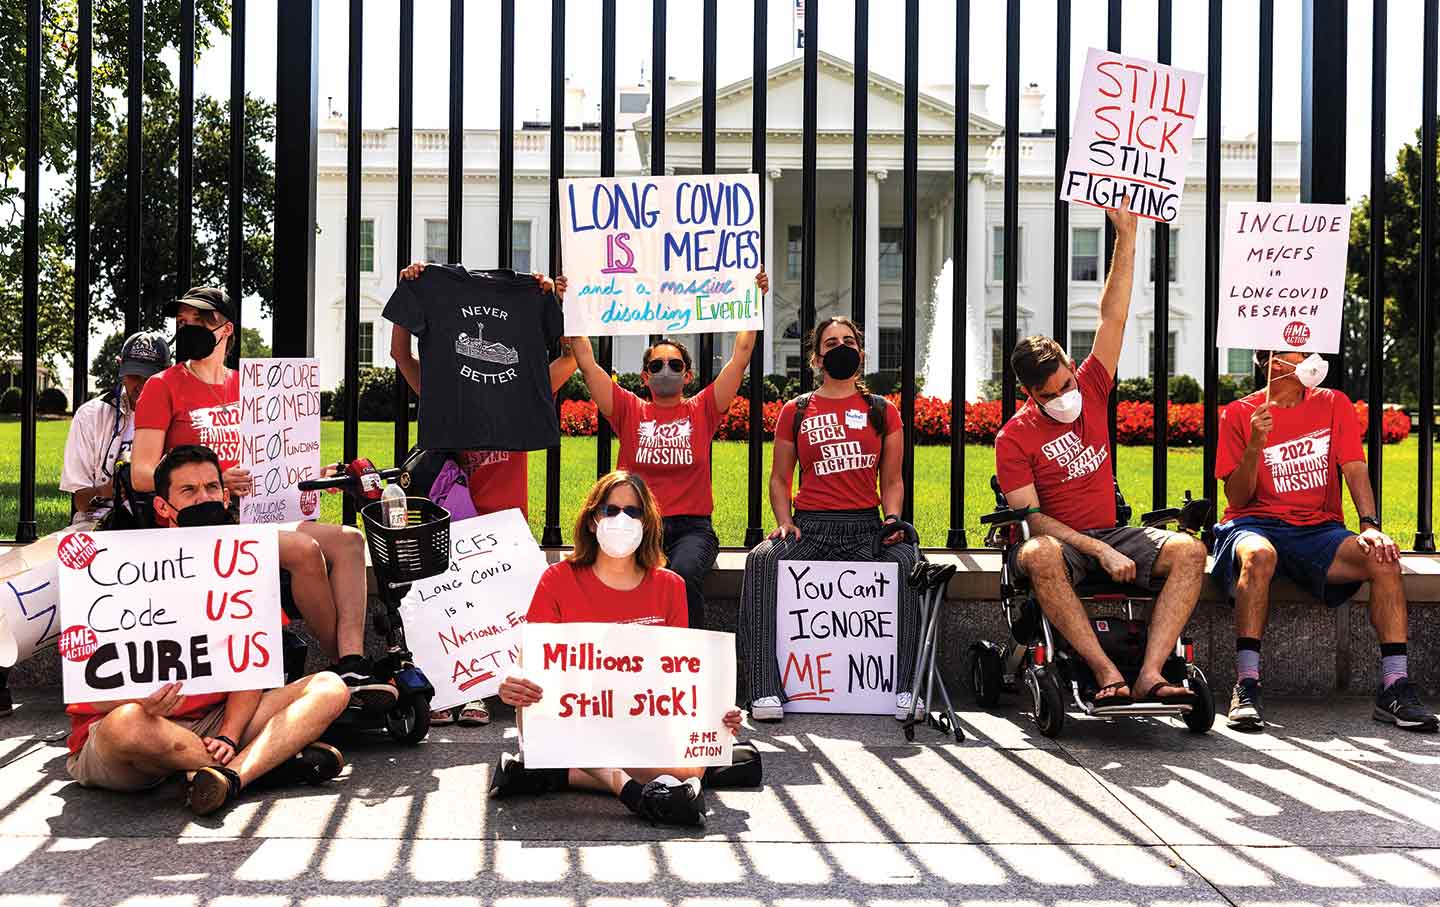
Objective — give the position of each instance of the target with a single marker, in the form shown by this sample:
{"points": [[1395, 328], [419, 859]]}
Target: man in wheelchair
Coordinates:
{"points": [[1052, 460]]}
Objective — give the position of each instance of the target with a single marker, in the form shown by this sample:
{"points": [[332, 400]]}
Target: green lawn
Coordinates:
{"points": [[731, 468]]}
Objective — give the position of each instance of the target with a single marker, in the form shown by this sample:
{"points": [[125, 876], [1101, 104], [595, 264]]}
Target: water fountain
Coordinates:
{"points": [[936, 370]]}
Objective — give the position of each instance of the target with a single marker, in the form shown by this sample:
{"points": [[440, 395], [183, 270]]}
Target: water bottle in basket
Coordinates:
{"points": [[393, 506]]}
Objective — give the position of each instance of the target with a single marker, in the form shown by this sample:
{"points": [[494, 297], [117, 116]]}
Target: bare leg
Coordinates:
{"points": [[1045, 565], [1182, 562], [343, 548], [301, 555], [1252, 589], [147, 746], [1387, 594], [286, 720]]}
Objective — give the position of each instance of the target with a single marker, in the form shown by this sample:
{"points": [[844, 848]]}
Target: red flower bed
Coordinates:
{"points": [[735, 424], [1394, 422], [579, 417]]}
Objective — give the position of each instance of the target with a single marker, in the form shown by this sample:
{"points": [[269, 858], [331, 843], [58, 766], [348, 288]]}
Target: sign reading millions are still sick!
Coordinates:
{"points": [[661, 255], [1130, 144], [1282, 276]]}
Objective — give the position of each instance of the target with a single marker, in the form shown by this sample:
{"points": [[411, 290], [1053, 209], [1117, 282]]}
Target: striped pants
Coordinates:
{"points": [[825, 535]]}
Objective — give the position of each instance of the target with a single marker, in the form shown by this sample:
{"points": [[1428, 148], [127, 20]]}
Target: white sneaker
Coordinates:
{"points": [[902, 706], [767, 708]]}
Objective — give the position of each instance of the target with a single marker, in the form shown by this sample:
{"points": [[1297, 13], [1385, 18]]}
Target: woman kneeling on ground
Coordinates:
{"points": [[616, 574], [844, 439]]}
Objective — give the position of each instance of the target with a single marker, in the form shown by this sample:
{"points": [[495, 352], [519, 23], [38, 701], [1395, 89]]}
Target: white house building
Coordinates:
{"points": [[782, 185]]}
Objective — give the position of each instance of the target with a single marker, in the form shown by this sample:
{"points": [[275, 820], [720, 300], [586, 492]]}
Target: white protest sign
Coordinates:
{"points": [[29, 612], [1282, 276], [628, 696], [463, 626], [835, 626], [280, 438], [148, 607], [661, 254], [1134, 120]]}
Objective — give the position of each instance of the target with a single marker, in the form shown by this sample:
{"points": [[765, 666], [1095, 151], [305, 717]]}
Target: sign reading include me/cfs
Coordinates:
{"points": [[661, 255]]}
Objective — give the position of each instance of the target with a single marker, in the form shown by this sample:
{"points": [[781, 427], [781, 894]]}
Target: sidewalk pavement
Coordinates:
{"points": [[1327, 808]]}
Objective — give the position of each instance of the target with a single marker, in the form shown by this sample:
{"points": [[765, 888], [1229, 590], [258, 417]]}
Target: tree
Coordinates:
{"points": [[107, 361], [252, 345], [57, 282]]}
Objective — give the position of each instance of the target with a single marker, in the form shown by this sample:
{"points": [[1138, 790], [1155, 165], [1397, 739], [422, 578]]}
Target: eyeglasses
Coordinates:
{"points": [[676, 365], [629, 510]]}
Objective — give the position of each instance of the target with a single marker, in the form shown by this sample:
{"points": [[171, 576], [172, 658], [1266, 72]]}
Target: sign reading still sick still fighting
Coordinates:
{"points": [[1130, 145], [666, 254]]}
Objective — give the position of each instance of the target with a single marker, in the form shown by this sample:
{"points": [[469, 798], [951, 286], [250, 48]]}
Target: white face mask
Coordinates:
{"points": [[619, 535], [1310, 371], [1066, 407]]}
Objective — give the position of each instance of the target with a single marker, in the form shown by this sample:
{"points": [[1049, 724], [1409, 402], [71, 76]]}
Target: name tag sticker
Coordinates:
{"points": [[855, 418]]}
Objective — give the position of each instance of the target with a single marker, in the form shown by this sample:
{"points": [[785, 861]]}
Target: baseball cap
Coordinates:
{"points": [[144, 354], [213, 299]]}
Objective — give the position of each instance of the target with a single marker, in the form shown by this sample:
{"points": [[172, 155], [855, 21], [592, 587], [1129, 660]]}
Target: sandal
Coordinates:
{"points": [[211, 788], [474, 714], [1114, 698], [442, 716], [1185, 697]]}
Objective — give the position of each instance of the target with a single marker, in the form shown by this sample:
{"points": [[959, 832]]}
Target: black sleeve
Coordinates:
{"points": [[552, 320], [406, 309]]}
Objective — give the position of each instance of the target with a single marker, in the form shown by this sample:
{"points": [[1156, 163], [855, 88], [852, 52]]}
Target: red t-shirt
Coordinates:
{"points": [[1069, 464], [1297, 479], [838, 451], [190, 411], [669, 447], [497, 479], [567, 594], [83, 715]]}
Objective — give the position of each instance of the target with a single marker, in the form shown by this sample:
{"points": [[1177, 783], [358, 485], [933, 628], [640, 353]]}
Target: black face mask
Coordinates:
{"points": [[193, 341], [841, 362], [205, 513]]}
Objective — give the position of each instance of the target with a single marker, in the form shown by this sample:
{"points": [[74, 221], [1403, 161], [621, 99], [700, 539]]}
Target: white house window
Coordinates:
{"points": [[1173, 256], [437, 241], [1239, 362], [520, 246], [367, 344], [633, 102], [997, 354], [367, 246], [891, 349], [892, 252], [1081, 342], [794, 250], [997, 254], [1085, 254], [1169, 353], [792, 366]]}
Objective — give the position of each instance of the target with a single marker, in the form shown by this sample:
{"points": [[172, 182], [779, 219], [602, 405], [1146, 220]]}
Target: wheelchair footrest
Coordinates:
{"points": [[1139, 710]]}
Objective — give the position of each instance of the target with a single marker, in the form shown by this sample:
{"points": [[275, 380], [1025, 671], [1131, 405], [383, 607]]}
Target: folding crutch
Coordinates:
{"points": [[929, 582]]}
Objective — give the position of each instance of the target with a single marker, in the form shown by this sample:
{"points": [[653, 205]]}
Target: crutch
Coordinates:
{"points": [[929, 582]]}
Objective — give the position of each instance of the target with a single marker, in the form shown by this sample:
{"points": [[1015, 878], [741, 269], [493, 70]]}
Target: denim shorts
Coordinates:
{"points": [[1303, 553]]}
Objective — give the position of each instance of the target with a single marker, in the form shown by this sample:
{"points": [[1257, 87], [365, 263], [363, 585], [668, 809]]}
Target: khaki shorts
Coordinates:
{"points": [[1141, 544], [91, 770]]}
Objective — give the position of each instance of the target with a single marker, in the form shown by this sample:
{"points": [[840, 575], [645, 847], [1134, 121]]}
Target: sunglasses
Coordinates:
{"points": [[629, 510], [676, 365]]}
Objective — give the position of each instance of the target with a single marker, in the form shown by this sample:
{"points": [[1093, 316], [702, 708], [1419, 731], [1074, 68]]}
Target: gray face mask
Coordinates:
{"points": [[666, 384]]}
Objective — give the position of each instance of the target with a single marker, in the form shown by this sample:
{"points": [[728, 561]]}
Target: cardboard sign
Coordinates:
{"points": [[628, 696], [1134, 120], [464, 625], [29, 613], [148, 607], [280, 438], [1282, 276], [661, 254], [835, 626]]}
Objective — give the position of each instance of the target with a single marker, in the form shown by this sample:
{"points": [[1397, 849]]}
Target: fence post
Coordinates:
{"points": [[296, 102]]}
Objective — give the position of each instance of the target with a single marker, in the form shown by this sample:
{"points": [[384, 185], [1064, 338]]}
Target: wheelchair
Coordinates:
{"points": [[1057, 679]]}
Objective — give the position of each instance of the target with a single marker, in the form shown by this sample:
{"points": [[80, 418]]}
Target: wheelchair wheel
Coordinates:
{"points": [[1202, 716], [1048, 703], [985, 676], [409, 722]]}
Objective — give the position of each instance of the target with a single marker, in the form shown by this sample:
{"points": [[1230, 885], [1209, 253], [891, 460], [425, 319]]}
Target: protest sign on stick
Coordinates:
{"points": [[1130, 145], [628, 696], [661, 254], [835, 636], [148, 607], [280, 438], [1282, 276], [463, 626]]}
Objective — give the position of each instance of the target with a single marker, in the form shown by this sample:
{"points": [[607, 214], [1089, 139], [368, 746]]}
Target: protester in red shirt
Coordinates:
{"points": [[1281, 453], [226, 740], [844, 440], [197, 401], [496, 479], [616, 574], [1053, 460]]}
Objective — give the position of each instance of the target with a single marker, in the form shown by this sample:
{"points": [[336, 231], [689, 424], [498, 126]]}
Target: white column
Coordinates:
{"points": [[937, 248], [872, 262], [772, 264], [977, 339]]}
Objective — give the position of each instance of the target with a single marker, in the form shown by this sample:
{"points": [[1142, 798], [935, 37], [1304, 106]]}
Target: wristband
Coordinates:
{"points": [[1371, 520], [227, 741]]}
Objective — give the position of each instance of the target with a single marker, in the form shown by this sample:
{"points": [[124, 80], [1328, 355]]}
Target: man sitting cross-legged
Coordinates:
{"points": [[1282, 460], [1052, 459], [224, 741]]}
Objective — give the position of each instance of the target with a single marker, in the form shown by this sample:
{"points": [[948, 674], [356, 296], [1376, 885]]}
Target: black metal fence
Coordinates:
{"points": [[1322, 180]]}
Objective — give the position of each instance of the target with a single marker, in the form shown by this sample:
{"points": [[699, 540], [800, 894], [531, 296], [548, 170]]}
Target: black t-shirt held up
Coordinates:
{"points": [[485, 339]]}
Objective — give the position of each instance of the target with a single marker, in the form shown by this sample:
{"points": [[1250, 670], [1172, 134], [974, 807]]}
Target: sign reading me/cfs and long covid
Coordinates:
{"points": [[661, 255]]}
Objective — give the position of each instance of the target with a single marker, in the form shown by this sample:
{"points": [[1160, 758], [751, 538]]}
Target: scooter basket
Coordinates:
{"points": [[420, 549]]}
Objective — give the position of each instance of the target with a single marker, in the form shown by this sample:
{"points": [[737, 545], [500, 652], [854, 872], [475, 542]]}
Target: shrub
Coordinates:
{"points": [[1394, 422], [579, 418], [991, 389], [1184, 389], [735, 424], [884, 382], [1232, 388], [1135, 390], [574, 388], [327, 402], [769, 392], [377, 396], [52, 402], [632, 382], [10, 400]]}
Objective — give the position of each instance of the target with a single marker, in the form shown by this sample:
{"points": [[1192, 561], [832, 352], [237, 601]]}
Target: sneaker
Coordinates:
{"points": [[767, 708], [669, 801], [211, 788], [1399, 704], [1245, 712], [512, 777], [903, 703], [315, 764], [744, 770], [366, 690]]}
